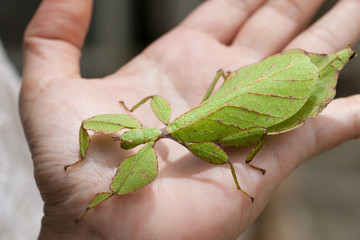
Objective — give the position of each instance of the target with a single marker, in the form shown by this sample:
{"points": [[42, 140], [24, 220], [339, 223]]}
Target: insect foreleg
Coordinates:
{"points": [[73, 164], [213, 84], [212, 153], [159, 105], [84, 144], [144, 100], [99, 198]]}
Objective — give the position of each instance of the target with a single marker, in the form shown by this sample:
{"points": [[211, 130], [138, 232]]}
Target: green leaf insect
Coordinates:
{"points": [[270, 97]]}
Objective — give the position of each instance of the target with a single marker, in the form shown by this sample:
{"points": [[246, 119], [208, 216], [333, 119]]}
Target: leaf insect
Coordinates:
{"points": [[270, 97]]}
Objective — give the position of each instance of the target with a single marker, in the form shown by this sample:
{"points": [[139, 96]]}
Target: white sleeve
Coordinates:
{"points": [[21, 205]]}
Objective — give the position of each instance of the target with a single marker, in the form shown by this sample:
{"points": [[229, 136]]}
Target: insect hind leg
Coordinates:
{"points": [[251, 156], [212, 153], [247, 137], [236, 181]]}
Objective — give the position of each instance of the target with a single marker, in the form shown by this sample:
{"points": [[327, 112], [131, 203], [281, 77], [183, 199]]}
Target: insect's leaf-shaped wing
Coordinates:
{"points": [[324, 91], [272, 76], [161, 108], [258, 95], [110, 123], [136, 171], [329, 67]]}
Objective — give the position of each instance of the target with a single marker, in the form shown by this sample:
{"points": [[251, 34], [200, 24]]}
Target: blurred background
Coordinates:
{"points": [[320, 200]]}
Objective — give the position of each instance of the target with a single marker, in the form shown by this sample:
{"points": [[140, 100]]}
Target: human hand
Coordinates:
{"points": [[189, 198]]}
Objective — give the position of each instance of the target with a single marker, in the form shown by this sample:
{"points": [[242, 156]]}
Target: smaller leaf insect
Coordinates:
{"points": [[270, 97]]}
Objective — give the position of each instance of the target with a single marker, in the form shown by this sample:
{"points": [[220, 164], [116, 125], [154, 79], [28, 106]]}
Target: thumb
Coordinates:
{"points": [[53, 39]]}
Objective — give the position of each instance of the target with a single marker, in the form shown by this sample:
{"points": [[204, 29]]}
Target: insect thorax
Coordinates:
{"points": [[135, 137]]}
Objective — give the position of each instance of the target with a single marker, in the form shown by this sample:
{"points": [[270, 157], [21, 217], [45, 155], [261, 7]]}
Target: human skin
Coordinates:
{"points": [[190, 199]]}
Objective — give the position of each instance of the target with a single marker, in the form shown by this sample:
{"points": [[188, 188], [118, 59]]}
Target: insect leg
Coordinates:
{"points": [[144, 100], [247, 137], [213, 84], [250, 157], [99, 198], [236, 181], [84, 142], [212, 153], [159, 105], [73, 164]]}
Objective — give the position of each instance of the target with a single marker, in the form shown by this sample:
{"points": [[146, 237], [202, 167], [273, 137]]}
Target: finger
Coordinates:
{"points": [[53, 39], [333, 31], [340, 122], [275, 24], [221, 19]]}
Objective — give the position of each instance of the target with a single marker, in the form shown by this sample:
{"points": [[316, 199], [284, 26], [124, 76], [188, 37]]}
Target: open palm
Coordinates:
{"points": [[189, 198]]}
